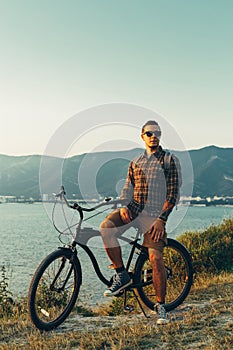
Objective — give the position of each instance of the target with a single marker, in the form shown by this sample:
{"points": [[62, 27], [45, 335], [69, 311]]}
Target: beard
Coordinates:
{"points": [[155, 145]]}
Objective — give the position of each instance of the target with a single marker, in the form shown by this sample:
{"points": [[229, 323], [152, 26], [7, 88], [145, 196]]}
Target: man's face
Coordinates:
{"points": [[151, 136]]}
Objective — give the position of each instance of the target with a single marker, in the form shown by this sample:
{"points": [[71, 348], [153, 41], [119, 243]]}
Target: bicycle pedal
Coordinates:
{"points": [[128, 308]]}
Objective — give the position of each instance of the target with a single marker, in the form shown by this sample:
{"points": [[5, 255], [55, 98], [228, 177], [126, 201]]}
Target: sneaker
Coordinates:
{"points": [[121, 280], [161, 312]]}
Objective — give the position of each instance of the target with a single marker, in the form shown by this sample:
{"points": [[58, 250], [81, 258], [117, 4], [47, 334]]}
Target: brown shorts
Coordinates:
{"points": [[144, 222]]}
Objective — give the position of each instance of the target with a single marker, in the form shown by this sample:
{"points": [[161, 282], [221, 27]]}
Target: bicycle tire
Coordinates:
{"points": [[54, 289], [178, 264]]}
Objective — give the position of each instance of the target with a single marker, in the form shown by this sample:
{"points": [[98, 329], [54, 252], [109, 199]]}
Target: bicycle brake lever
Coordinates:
{"points": [[107, 199], [75, 206], [63, 190]]}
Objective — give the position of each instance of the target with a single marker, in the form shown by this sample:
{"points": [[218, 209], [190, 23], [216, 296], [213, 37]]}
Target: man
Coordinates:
{"points": [[152, 190]]}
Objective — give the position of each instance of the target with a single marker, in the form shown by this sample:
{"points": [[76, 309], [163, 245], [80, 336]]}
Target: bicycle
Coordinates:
{"points": [[56, 282]]}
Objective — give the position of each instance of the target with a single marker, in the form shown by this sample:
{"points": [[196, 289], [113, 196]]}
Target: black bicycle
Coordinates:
{"points": [[56, 282]]}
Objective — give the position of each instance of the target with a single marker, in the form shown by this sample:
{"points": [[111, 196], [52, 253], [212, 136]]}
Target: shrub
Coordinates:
{"points": [[211, 250], [6, 301], [116, 306]]}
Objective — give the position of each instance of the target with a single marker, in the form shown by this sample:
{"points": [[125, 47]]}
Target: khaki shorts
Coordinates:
{"points": [[143, 221]]}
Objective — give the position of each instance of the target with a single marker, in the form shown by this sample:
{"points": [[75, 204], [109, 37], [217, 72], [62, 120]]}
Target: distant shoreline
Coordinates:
{"points": [[193, 204]]}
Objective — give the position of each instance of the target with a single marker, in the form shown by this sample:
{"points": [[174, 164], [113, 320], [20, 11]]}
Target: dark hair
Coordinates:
{"points": [[150, 122]]}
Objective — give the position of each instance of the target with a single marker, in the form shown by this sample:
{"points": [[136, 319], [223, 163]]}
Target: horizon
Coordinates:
{"points": [[104, 151]]}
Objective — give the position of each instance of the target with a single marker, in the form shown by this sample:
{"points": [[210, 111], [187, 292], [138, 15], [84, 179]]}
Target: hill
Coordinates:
{"points": [[103, 173]]}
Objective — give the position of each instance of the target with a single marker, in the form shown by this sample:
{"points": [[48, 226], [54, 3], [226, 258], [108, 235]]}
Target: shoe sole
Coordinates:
{"points": [[106, 294]]}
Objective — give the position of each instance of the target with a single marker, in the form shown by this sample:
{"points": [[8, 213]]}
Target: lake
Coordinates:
{"points": [[27, 236]]}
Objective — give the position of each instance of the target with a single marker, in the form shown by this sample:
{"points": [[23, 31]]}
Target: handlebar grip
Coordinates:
{"points": [[63, 189]]}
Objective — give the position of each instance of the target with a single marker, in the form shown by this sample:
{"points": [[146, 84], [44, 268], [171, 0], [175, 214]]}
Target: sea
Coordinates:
{"points": [[28, 236]]}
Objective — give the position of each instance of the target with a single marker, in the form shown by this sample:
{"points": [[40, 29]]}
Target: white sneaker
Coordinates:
{"points": [[121, 280], [162, 315]]}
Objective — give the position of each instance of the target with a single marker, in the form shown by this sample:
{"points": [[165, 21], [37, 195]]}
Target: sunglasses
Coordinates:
{"points": [[150, 133]]}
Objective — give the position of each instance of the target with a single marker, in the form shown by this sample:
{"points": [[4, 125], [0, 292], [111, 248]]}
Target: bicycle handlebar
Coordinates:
{"points": [[80, 209]]}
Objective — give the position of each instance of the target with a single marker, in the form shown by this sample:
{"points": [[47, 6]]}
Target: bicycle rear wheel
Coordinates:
{"points": [[54, 289], [178, 265]]}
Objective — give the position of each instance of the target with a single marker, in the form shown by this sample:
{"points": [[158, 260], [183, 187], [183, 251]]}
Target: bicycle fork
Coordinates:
{"points": [[61, 289]]}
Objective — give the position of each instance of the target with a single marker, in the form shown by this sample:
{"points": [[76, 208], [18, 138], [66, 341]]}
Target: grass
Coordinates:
{"points": [[204, 321]]}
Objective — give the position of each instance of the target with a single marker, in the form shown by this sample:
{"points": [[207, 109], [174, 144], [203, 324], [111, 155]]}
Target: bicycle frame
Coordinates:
{"points": [[83, 237]]}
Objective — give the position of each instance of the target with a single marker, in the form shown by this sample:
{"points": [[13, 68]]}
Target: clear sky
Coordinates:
{"points": [[60, 57]]}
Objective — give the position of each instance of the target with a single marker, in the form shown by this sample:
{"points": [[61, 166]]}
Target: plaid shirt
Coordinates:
{"points": [[149, 185]]}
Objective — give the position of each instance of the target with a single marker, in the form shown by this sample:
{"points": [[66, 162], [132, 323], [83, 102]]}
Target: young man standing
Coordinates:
{"points": [[151, 190]]}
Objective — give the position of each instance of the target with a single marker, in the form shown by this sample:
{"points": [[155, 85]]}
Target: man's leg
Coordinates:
{"points": [[158, 274], [159, 282], [108, 232], [109, 229], [155, 250]]}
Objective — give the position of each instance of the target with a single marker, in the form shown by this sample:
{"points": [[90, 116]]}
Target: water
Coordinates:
{"points": [[27, 236]]}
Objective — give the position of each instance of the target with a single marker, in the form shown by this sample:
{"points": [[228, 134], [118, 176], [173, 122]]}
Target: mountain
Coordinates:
{"points": [[19, 175], [213, 171], [103, 173]]}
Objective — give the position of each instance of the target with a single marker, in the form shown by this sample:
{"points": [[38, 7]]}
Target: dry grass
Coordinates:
{"points": [[204, 321]]}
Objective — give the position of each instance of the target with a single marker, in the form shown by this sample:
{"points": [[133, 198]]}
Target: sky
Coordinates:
{"points": [[60, 58]]}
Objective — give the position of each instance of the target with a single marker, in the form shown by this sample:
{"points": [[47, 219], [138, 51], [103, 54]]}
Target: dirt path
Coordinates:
{"points": [[91, 323]]}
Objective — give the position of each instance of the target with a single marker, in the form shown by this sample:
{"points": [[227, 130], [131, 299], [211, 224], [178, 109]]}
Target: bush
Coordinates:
{"points": [[6, 301], [211, 250], [116, 306]]}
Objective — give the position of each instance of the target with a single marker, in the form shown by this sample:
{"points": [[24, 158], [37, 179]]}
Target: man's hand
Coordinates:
{"points": [[157, 230], [126, 215]]}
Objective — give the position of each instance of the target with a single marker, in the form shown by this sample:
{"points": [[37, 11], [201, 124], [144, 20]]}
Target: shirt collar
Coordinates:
{"points": [[157, 154]]}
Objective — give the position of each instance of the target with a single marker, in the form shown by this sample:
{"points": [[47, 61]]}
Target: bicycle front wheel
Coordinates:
{"points": [[54, 289], [178, 266]]}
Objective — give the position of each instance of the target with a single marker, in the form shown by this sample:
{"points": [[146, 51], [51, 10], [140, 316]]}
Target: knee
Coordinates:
{"points": [[106, 227], [156, 257], [106, 224]]}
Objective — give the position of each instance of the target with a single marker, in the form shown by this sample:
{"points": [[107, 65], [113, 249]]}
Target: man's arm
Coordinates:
{"points": [[127, 191], [173, 181], [127, 194], [133, 208]]}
